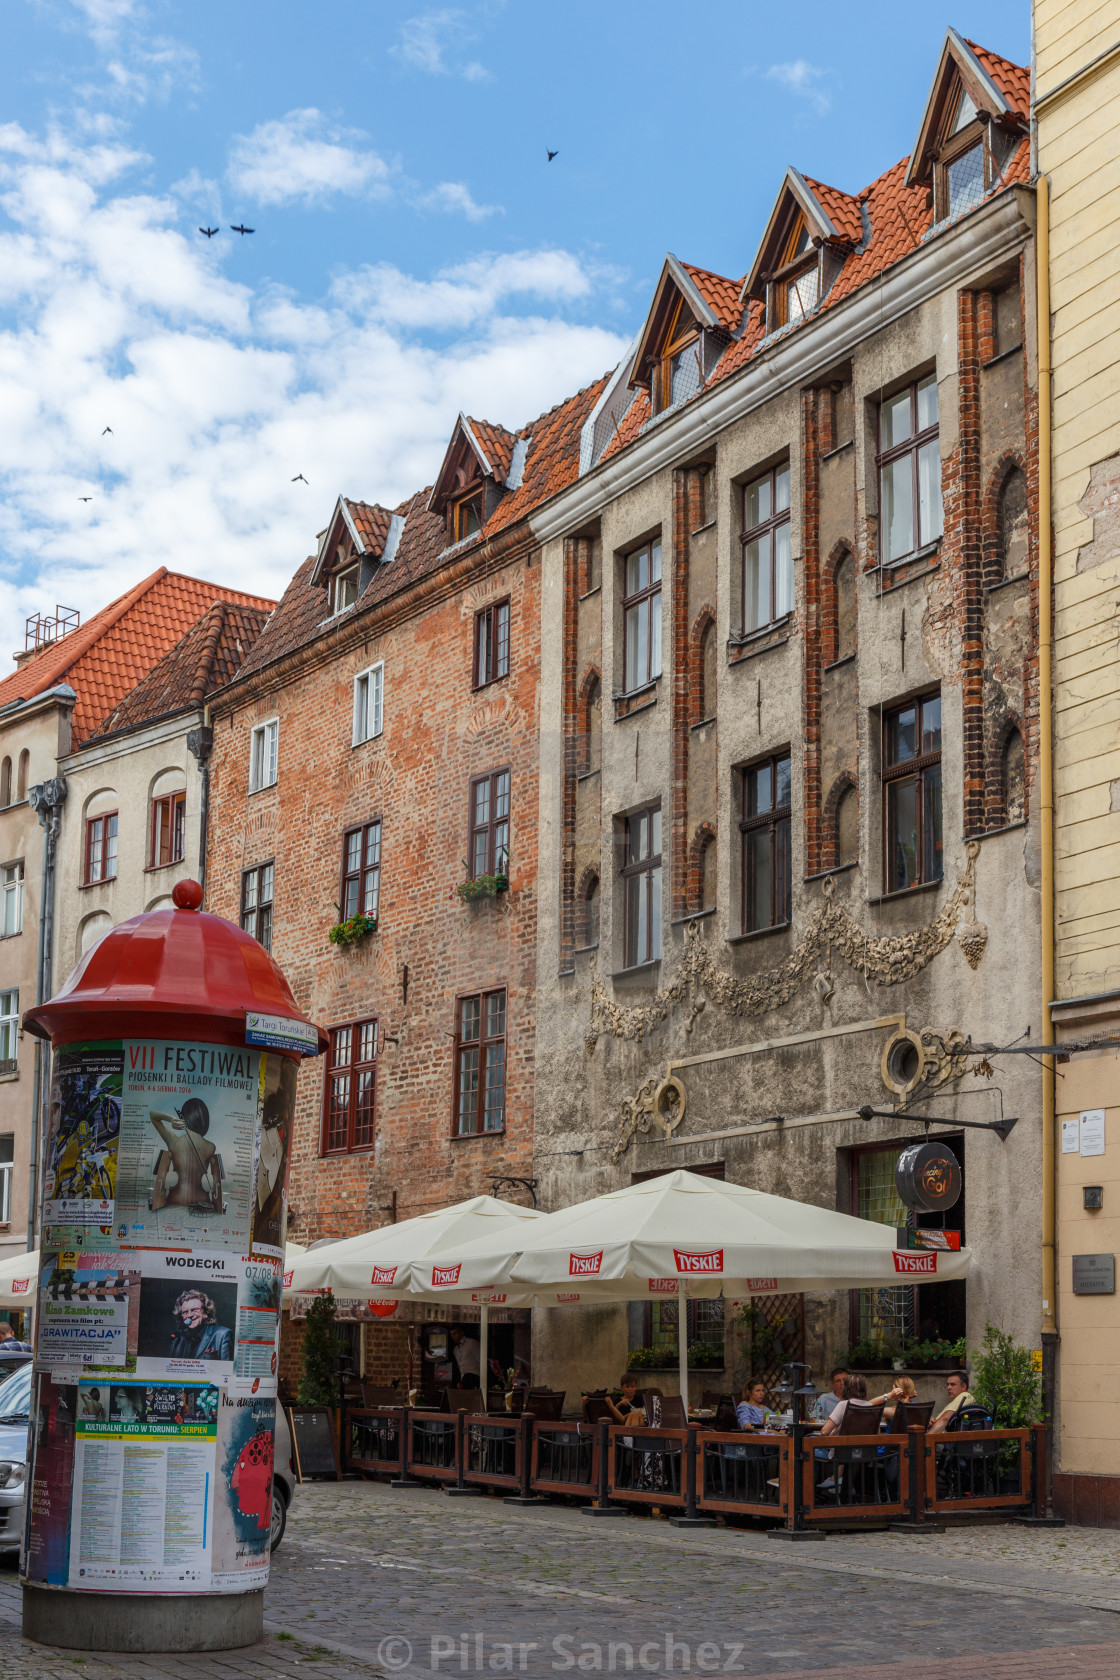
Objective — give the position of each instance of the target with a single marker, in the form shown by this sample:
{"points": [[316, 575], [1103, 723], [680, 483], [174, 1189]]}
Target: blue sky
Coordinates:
{"points": [[414, 252]]}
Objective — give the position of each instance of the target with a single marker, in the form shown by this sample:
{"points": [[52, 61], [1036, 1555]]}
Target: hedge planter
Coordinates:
{"points": [[352, 930]]}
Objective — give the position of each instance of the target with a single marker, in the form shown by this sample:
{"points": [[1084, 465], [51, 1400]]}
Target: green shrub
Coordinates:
{"points": [[1005, 1381], [318, 1382]]}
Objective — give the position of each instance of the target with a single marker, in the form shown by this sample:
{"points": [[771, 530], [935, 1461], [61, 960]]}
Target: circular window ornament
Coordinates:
{"points": [[669, 1102], [903, 1063]]}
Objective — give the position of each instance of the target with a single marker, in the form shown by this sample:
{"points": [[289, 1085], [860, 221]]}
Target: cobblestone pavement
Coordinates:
{"points": [[376, 1582]]}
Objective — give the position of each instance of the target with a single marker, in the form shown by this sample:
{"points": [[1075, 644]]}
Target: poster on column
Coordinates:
{"points": [[188, 1145], [83, 1131], [243, 1515], [89, 1310], [208, 1316], [47, 1539], [142, 1509], [278, 1107]]}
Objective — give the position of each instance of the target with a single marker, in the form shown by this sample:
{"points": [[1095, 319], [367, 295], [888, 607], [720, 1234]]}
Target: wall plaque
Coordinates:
{"points": [[1094, 1274]]}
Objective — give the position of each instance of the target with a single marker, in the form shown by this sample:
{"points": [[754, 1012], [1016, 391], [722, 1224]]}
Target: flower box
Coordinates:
{"points": [[482, 886], [354, 928]]}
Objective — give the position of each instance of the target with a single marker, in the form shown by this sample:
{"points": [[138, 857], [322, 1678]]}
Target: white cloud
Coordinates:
{"points": [[802, 79], [304, 157], [217, 394], [453, 198], [425, 42]]}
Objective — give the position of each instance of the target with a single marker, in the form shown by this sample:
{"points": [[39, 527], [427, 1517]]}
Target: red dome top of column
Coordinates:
{"points": [[169, 973]]}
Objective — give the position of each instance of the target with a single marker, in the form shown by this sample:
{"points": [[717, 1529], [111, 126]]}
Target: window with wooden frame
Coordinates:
{"points": [[931, 1311], [796, 281], [344, 589], [767, 565], [641, 877], [491, 644], [677, 373], [909, 461], [169, 830], [361, 870], [256, 902], [480, 1063], [101, 848], [350, 1080], [963, 171], [912, 844], [489, 824], [641, 617], [466, 517], [264, 752], [766, 827]]}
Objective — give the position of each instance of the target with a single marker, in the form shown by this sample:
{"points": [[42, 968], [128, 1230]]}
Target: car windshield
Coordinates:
{"points": [[15, 1397]]}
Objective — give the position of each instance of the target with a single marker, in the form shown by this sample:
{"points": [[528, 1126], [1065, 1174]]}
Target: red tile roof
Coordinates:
{"points": [[105, 658], [841, 209], [207, 657], [496, 444], [1012, 80], [720, 294], [372, 522]]}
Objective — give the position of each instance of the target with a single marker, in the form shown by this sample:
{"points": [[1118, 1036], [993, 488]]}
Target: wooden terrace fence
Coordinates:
{"points": [[801, 1480]]}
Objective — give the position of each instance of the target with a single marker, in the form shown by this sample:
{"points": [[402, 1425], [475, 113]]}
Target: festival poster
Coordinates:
{"points": [[83, 1133], [47, 1537], [144, 1486], [89, 1311], [208, 1316], [243, 1514], [188, 1144], [274, 1138]]}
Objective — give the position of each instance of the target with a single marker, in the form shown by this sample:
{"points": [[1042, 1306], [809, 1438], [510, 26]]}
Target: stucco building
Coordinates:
{"points": [[77, 857], [789, 720], [1076, 97]]}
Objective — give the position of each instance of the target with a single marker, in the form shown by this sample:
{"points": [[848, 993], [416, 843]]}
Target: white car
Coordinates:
{"points": [[15, 1416]]}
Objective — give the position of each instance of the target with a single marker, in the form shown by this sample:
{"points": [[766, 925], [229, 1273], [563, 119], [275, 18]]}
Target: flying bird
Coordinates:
{"points": [[239, 229], [551, 155], [299, 479], [85, 498], [110, 431], [209, 232]]}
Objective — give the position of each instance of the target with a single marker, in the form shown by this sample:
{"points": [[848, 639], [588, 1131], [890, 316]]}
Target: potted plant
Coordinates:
{"points": [[474, 887], [353, 928], [318, 1380], [1005, 1381]]}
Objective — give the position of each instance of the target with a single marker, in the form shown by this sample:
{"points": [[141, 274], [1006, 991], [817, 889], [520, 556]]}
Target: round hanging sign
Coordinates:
{"points": [[928, 1177]]}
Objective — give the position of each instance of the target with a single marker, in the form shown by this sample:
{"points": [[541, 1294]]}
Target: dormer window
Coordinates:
{"points": [[466, 517], [963, 171], [344, 589], [677, 374], [797, 280]]}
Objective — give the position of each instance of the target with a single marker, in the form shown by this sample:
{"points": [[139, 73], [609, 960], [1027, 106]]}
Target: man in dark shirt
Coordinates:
{"points": [[199, 1335]]}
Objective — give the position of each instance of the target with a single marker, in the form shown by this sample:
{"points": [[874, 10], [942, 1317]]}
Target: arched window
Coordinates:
{"points": [[589, 912], [845, 585], [1012, 557], [1013, 779], [708, 874], [591, 726], [707, 665], [847, 827], [6, 782], [91, 930], [23, 775]]}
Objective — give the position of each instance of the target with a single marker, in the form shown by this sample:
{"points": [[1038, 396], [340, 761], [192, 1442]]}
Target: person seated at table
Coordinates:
{"points": [[752, 1412], [957, 1385], [855, 1388], [825, 1403], [626, 1409], [902, 1389]]}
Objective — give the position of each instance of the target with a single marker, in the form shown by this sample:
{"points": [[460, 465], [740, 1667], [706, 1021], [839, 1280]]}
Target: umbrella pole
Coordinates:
{"points": [[682, 1337], [484, 1350]]}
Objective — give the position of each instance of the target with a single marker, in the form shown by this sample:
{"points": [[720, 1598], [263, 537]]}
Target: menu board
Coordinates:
{"points": [[157, 1336]]}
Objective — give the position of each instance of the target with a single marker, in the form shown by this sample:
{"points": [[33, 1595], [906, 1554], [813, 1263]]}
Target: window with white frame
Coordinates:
{"points": [[369, 694], [11, 884], [345, 589], [9, 1029], [263, 754], [7, 1156]]}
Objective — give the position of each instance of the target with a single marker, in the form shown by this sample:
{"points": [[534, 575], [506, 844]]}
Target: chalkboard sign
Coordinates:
{"points": [[313, 1439]]}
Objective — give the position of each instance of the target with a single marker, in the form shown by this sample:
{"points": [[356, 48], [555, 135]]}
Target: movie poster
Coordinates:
{"points": [[278, 1106], [47, 1540], [188, 1145], [81, 1147], [144, 1488], [243, 1516], [89, 1310]]}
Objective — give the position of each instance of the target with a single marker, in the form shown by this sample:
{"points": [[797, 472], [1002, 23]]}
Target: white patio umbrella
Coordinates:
{"points": [[381, 1262], [18, 1276], [702, 1235], [292, 1252]]}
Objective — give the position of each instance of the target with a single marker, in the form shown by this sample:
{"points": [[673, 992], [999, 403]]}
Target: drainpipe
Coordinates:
{"points": [[46, 800], [200, 742], [1046, 813]]}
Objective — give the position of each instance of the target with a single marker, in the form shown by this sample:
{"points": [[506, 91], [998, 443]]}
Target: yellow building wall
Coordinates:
{"points": [[1078, 138]]}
